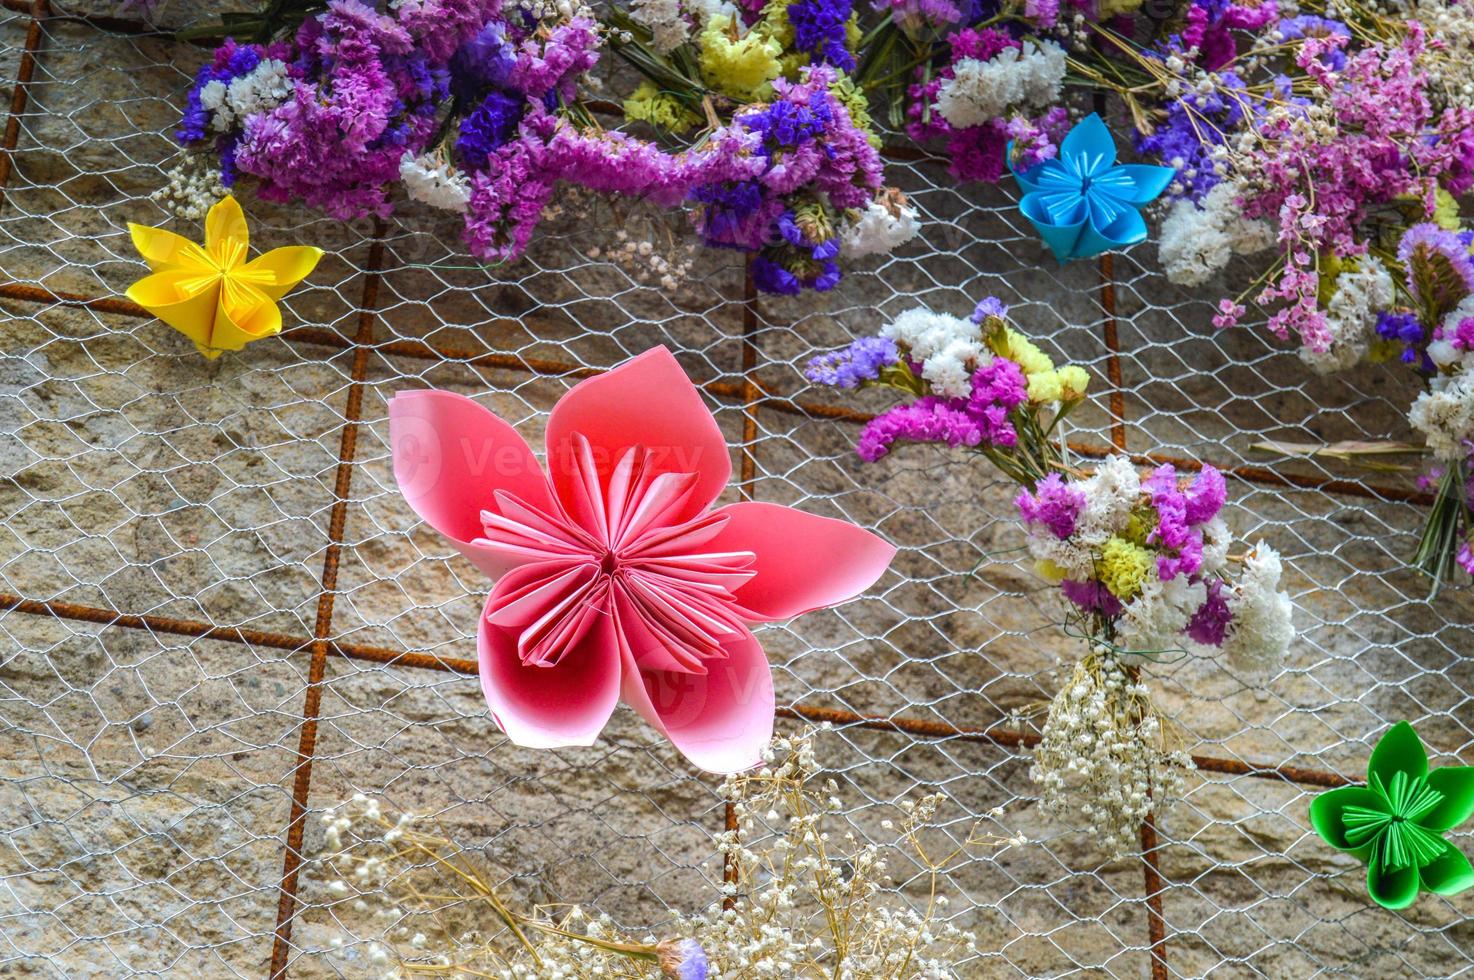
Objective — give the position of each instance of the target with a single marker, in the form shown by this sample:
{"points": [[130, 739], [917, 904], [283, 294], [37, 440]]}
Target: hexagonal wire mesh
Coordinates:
{"points": [[220, 616]]}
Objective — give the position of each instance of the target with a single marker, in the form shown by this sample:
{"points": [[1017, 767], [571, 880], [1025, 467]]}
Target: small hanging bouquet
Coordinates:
{"points": [[763, 90], [1319, 140], [1141, 564]]}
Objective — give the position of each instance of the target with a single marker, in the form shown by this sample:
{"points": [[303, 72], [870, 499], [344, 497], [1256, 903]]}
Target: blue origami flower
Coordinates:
{"points": [[1083, 202]]}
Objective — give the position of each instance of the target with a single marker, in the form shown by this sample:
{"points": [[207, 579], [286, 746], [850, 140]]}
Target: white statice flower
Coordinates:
{"points": [[1154, 619], [430, 180], [663, 19], [1015, 78], [1260, 632], [1445, 415], [878, 230], [1102, 761], [1216, 540], [1197, 240], [1442, 351], [1351, 315], [950, 348], [261, 89]]}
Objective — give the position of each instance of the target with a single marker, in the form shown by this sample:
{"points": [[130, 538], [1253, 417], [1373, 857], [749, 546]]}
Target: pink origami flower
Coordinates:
{"points": [[614, 575]]}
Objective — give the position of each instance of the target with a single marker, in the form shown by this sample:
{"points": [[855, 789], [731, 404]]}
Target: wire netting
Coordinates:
{"points": [[219, 616]]}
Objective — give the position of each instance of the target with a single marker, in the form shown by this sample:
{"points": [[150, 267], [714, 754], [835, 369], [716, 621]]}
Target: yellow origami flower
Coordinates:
{"points": [[211, 294]]}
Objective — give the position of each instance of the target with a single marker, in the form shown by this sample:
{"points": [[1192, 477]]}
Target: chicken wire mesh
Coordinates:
{"points": [[220, 617]]}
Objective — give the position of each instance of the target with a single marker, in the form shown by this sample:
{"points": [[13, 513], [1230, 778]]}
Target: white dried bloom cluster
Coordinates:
{"points": [[884, 226], [813, 900], [671, 22], [950, 348], [1450, 58], [191, 188], [1110, 494], [1261, 630], [1442, 351], [1445, 415], [1351, 315], [1154, 620], [1103, 760], [431, 180], [646, 262], [261, 89], [1197, 240], [1015, 78]]}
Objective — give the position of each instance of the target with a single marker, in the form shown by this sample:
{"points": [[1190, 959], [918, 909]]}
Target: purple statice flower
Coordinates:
{"points": [[1054, 504], [682, 959], [507, 201], [482, 63], [441, 27], [1032, 141], [770, 277], [1179, 514], [1092, 596], [1209, 624], [1465, 558], [1425, 251], [1404, 328], [551, 64], [1194, 126], [916, 16], [989, 306], [819, 31], [928, 419], [231, 61], [489, 126], [1308, 26], [1042, 13], [861, 361]]}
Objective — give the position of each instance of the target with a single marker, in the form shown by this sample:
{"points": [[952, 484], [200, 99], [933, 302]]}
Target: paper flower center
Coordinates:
{"points": [[1398, 840]]}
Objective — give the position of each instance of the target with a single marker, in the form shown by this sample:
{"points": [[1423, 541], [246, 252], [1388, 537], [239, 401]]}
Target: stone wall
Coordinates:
{"points": [[148, 773]]}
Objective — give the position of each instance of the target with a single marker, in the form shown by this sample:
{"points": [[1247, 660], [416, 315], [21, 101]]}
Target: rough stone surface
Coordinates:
{"points": [[149, 773]]}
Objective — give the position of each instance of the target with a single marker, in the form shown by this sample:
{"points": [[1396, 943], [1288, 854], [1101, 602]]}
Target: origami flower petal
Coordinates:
{"points": [[237, 324], [1128, 229], [1147, 181], [1326, 814], [542, 707], [226, 221], [1061, 239], [1400, 750], [1449, 873], [450, 456], [804, 561], [191, 312], [647, 401], [1091, 141], [1456, 783], [720, 720], [1392, 889], [288, 266], [161, 247]]}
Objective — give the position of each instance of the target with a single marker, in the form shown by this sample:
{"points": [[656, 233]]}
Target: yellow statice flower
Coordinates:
{"points": [[740, 66], [1045, 387], [1073, 379], [1020, 350], [1049, 571], [1124, 567], [661, 109], [1108, 9]]}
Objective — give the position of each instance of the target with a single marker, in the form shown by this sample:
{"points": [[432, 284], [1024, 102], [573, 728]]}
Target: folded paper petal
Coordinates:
{"points": [[1090, 140], [1326, 815], [288, 266], [1399, 750], [1147, 181], [798, 565], [1456, 783], [1126, 230], [1392, 889], [542, 707], [1449, 873], [450, 457], [1062, 240], [721, 720], [647, 401], [192, 313], [161, 247], [226, 221]]}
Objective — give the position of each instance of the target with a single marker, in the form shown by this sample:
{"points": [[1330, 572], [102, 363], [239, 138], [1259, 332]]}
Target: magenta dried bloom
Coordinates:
{"points": [[1209, 624], [1092, 596], [928, 419], [1206, 497], [1054, 504]]}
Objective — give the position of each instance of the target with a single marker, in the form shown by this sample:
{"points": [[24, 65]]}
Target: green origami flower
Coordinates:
{"points": [[1397, 821]]}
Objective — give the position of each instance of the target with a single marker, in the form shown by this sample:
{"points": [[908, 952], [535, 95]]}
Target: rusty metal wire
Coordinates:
{"points": [[219, 617]]}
